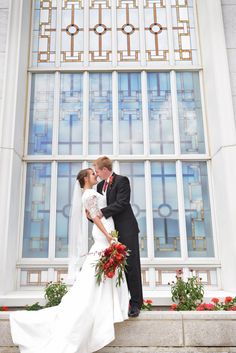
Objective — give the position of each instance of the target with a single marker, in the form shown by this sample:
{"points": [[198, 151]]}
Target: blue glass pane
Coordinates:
{"points": [[190, 113], [100, 114], [37, 210], [135, 173], [66, 178], [71, 114], [41, 114], [130, 114], [197, 210], [165, 210], [160, 113]]}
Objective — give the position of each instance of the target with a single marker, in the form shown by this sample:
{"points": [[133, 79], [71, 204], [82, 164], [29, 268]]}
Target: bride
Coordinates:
{"points": [[84, 320]]}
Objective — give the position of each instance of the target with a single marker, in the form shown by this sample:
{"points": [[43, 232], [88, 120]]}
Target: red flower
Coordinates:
{"points": [[111, 180], [174, 306], [209, 306], [228, 299], [233, 308], [215, 300], [120, 247], [200, 307], [110, 274], [149, 301], [119, 257], [4, 308]]}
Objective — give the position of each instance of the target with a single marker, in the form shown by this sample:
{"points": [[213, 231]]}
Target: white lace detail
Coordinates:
{"points": [[91, 204]]}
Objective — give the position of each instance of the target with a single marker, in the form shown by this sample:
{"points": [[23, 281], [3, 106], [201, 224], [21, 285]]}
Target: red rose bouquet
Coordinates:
{"points": [[112, 260]]}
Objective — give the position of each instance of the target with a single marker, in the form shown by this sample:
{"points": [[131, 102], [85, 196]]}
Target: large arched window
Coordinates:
{"points": [[122, 78]]}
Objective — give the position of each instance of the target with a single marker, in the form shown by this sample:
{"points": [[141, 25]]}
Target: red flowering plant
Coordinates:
{"points": [[228, 304], [147, 305], [113, 260], [187, 295], [3, 308]]}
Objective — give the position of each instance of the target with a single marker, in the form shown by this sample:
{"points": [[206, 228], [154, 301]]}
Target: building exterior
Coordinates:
{"points": [[151, 83]]}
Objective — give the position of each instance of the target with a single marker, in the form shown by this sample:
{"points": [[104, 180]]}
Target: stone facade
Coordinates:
{"points": [[4, 9], [229, 15]]}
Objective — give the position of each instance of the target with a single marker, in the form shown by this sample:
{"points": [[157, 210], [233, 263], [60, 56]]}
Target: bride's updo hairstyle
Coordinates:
{"points": [[81, 175]]}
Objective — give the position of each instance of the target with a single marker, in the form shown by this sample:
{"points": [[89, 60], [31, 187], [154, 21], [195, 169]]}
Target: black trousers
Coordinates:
{"points": [[133, 270]]}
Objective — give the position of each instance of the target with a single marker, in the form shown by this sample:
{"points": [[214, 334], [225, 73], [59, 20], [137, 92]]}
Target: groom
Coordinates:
{"points": [[117, 191]]}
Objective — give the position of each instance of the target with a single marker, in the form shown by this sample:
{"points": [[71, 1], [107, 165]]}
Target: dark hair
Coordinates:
{"points": [[81, 175]]}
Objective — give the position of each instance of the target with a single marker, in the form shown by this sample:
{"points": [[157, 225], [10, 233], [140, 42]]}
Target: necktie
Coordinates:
{"points": [[105, 185]]}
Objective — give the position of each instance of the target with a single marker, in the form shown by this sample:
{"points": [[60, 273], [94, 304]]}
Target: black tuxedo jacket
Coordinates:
{"points": [[118, 206]]}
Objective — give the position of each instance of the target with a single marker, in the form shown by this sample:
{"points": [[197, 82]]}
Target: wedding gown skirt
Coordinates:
{"points": [[84, 320]]}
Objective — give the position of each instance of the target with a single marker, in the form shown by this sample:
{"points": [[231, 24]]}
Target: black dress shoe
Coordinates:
{"points": [[133, 312]]}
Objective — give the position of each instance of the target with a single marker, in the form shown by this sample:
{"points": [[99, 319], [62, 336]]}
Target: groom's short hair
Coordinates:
{"points": [[103, 162]]}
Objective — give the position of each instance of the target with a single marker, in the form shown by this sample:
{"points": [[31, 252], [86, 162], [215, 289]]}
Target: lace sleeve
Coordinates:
{"points": [[91, 204]]}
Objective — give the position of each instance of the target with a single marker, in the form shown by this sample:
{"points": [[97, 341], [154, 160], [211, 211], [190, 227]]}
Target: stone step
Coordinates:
{"points": [[110, 349], [153, 330]]}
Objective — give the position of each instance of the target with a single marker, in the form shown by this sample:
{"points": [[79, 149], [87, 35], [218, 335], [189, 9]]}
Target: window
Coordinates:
{"points": [[121, 78]]}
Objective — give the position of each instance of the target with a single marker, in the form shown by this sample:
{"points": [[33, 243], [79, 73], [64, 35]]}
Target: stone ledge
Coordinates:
{"points": [[162, 329]]}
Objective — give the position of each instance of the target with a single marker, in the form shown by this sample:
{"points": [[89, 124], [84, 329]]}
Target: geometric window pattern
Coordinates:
{"points": [[130, 114], [100, 114], [66, 176], [37, 210], [41, 114], [190, 113], [161, 136], [101, 117], [104, 31], [96, 88], [70, 134], [197, 210], [165, 210]]}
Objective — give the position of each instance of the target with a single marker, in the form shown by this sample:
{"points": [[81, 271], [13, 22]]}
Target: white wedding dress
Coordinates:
{"points": [[84, 320]]}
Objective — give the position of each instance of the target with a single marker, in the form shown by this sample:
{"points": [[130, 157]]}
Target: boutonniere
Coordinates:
{"points": [[111, 180]]}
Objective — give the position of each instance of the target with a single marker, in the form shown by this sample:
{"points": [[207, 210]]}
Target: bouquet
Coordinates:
{"points": [[113, 259]]}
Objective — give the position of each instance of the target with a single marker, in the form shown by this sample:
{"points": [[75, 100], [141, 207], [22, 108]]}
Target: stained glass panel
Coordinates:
{"points": [[156, 35], [100, 114], [128, 31], [67, 173], [37, 210], [41, 114], [100, 39], [135, 172], [190, 113], [183, 26], [72, 31], [71, 114], [160, 114], [165, 210], [130, 114], [44, 33], [197, 210]]}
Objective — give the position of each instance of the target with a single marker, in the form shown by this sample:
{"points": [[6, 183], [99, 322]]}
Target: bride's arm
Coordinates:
{"points": [[95, 214]]}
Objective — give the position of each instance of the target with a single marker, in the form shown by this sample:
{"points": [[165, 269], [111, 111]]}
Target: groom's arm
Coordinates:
{"points": [[122, 199]]}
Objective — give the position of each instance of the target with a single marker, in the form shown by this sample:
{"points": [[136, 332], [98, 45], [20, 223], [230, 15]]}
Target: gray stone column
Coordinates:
{"points": [[16, 37], [221, 133]]}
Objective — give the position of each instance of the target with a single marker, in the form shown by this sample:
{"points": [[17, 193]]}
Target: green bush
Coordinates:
{"points": [[54, 293], [187, 295]]}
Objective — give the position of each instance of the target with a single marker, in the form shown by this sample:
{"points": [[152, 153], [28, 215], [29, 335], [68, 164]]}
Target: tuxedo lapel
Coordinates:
{"points": [[110, 186]]}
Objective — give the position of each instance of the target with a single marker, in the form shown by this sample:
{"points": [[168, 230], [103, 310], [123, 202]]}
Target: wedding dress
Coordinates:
{"points": [[84, 320]]}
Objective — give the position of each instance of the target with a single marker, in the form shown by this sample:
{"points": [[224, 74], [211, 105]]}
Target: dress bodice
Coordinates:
{"points": [[94, 202]]}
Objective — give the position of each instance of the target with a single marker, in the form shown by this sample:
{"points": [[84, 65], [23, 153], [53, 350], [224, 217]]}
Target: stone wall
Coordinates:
{"points": [[4, 5], [229, 18]]}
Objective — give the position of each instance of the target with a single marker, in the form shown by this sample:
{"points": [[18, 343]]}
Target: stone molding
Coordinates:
{"points": [[163, 329]]}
